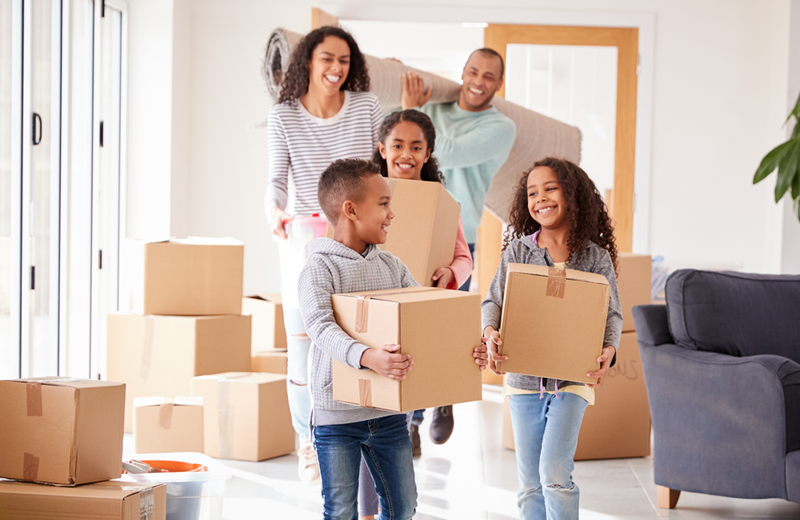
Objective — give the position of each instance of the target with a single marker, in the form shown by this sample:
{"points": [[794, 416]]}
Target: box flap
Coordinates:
{"points": [[159, 400], [73, 382], [109, 489], [543, 270], [267, 297]]}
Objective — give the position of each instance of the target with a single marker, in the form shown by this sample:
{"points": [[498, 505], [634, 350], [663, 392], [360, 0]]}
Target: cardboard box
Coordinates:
{"points": [[437, 327], [267, 313], [246, 415], [618, 425], [159, 355], [490, 378], [164, 425], [271, 361], [182, 277], [109, 500], [424, 228], [553, 322], [59, 430], [634, 285]]}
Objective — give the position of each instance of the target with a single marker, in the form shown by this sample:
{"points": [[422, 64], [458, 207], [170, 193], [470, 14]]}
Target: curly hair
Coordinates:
{"points": [[430, 170], [295, 81], [588, 214]]}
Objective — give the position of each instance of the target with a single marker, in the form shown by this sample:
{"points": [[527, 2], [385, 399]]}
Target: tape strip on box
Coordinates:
{"points": [[362, 314], [146, 505], [165, 414], [30, 467], [34, 390], [556, 282], [365, 393]]}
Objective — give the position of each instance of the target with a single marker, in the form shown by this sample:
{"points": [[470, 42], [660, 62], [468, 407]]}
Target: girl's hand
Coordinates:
{"points": [[443, 277], [414, 92], [276, 218], [492, 340], [385, 362], [605, 362], [481, 354]]}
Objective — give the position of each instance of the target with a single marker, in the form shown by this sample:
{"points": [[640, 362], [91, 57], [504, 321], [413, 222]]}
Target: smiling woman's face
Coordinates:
{"points": [[329, 65]]}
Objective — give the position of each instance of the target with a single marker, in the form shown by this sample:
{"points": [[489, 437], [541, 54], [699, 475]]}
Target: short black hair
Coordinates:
{"points": [[492, 52], [343, 180]]}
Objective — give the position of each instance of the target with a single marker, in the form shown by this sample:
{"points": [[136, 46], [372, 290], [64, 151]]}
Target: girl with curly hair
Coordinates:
{"points": [[325, 112], [558, 219]]}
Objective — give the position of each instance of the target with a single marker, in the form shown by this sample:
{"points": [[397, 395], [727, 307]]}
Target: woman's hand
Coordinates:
{"points": [[276, 218], [492, 340], [481, 354], [443, 277], [604, 359], [414, 92], [387, 361]]}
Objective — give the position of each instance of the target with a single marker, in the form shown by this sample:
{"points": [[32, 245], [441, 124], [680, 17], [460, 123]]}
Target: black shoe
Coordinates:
{"points": [[416, 449], [442, 424]]}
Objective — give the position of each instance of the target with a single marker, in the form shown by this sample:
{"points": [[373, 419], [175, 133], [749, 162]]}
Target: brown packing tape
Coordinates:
{"points": [[147, 347], [30, 467], [365, 393], [165, 414], [34, 399], [556, 282], [225, 415], [362, 314], [146, 506]]}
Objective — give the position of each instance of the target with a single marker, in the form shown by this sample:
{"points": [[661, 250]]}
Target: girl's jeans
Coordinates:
{"points": [[546, 436], [297, 343], [386, 449]]}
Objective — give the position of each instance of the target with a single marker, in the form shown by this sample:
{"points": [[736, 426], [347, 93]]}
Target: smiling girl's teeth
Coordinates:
{"points": [[404, 166], [545, 210]]}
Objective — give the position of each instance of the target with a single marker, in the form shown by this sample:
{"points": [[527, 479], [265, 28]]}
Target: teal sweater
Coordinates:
{"points": [[470, 148]]}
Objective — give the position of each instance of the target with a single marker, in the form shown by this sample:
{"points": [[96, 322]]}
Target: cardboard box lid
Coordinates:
{"points": [[109, 489], [158, 401], [267, 297], [73, 382], [406, 295], [256, 378], [571, 274]]}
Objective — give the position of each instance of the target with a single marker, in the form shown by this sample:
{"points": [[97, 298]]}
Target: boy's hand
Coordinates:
{"points": [[276, 218], [414, 92], [387, 361], [492, 340], [481, 354], [443, 277], [605, 362]]}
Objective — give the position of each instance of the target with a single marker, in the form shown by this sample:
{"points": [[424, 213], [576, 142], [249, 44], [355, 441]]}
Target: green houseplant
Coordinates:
{"points": [[786, 158]]}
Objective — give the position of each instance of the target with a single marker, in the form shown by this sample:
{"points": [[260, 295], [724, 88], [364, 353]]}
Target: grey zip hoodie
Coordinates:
{"points": [[333, 268], [525, 251]]}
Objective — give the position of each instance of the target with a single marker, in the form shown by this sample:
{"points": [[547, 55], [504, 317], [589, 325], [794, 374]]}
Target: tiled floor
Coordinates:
{"points": [[474, 477]]}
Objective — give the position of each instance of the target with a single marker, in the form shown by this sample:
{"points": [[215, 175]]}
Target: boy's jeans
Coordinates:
{"points": [[546, 436], [387, 452]]}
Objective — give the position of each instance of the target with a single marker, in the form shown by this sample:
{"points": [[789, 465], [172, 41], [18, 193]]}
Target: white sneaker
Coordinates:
{"points": [[307, 465]]}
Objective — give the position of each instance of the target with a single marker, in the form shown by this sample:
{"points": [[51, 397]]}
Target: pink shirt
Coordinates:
{"points": [[462, 259]]}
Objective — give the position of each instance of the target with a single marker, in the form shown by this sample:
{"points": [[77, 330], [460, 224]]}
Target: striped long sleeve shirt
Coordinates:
{"points": [[301, 146]]}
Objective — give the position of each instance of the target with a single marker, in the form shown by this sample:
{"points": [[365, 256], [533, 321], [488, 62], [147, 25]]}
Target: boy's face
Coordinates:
{"points": [[373, 211]]}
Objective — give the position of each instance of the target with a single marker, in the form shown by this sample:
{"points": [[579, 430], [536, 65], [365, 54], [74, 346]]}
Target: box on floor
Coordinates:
{"points": [[246, 415], [618, 425], [267, 313], [444, 370], [109, 500], [634, 285], [159, 355], [163, 425], [273, 361], [573, 304], [186, 277], [60, 430]]}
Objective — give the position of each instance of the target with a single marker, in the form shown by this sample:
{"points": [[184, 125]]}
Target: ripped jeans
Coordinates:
{"points": [[546, 436], [297, 343]]}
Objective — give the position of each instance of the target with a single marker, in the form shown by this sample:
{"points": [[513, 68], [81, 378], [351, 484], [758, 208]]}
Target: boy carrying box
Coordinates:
{"points": [[356, 200]]}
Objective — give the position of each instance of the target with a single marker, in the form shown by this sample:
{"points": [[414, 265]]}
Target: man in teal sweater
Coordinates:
{"points": [[473, 140]]}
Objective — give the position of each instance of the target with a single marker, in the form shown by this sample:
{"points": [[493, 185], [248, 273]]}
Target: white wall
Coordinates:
{"points": [[719, 103], [790, 236]]}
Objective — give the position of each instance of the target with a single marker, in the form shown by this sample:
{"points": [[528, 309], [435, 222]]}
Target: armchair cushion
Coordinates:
{"points": [[735, 313]]}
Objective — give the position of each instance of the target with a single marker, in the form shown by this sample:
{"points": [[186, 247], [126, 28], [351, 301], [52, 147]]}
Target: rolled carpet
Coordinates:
{"points": [[538, 136]]}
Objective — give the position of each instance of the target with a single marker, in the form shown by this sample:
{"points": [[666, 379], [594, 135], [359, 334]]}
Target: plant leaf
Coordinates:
{"points": [[797, 208], [796, 184], [795, 112], [787, 169], [771, 160]]}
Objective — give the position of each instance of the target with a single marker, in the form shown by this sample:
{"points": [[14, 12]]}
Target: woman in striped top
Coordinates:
{"points": [[325, 112]]}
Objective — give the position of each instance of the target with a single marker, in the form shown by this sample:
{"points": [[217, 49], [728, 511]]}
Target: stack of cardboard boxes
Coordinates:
{"points": [[269, 336], [67, 433], [618, 425]]}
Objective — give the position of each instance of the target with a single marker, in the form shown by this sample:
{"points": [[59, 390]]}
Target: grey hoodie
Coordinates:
{"points": [[525, 251], [333, 268]]}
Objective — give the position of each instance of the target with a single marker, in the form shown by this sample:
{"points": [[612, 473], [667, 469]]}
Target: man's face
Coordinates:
{"points": [[481, 80]]}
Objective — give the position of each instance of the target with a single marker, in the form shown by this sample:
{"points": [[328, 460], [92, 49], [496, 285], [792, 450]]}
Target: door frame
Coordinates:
{"points": [[645, 22]]}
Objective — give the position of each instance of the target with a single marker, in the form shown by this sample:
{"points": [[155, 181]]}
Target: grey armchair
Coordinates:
{"points": [[722, 368]]}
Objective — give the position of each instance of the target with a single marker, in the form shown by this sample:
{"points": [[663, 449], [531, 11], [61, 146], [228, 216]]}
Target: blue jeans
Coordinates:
{"points": [[297, 370], [546, 436], [386, 449]]}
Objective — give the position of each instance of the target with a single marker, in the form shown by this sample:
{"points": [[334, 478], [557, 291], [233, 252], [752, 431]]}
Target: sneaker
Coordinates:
{"points": [[416, 449], [442, 424], [307, 465]]}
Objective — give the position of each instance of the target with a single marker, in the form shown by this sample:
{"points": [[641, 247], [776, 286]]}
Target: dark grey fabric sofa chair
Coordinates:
{"points": [[722, 367]]}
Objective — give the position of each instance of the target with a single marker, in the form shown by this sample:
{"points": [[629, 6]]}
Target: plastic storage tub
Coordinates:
{"points": [[195, 484], [292, 253]]}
